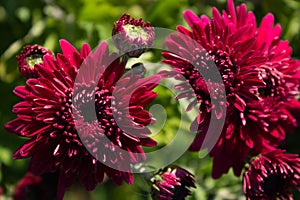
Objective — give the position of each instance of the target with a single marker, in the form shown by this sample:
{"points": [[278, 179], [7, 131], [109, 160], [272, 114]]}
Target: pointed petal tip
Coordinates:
{"points": [[85, 50], [190, 17], [63, 42], [231, 9], [67, 47]]}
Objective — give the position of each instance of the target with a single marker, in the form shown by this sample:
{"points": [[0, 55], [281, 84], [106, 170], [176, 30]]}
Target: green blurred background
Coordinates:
{"points": [[25, 22]]}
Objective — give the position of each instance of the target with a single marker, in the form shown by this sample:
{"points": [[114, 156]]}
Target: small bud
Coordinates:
{"points": [[172, 183], [31, 55], [132, 37]]}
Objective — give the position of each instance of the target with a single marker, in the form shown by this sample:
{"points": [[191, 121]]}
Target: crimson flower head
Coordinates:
{"points": [[132, 36], [172, 183], [258, 75], [31, 55], [272, 176], [83, 118]]}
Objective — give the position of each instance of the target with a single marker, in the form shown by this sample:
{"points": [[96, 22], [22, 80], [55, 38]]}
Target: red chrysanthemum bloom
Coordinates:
{"points": [[272, 175], [31, 55], [172, 183], [32, 187], [258, 74], [132, 36], [54, 103]]}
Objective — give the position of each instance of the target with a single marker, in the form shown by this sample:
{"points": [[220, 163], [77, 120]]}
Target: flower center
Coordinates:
{"points": [[84, 103], [199, 78], [93, 103], [33, 59], [273, 80], [93, 106], [274, 184], [135, 32], [227, 69]]}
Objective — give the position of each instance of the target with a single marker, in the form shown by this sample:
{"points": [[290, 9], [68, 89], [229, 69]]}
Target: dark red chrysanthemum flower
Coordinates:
{"points": [[272, 175], [93, 126], [31, 55], [258, 75], [32, 187], [172, 183], [132, 36]]}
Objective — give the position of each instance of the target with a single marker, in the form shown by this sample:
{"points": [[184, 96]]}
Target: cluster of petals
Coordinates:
{"points": [[272, 176], [83, 117], [260, 79]]}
